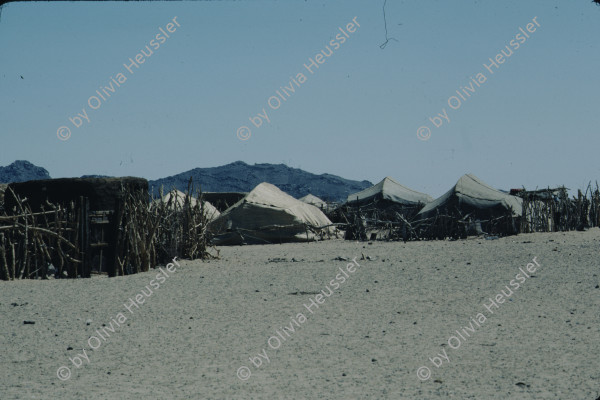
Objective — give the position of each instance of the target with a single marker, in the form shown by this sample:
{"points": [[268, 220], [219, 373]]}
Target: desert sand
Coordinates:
{"points": [[399, 308]]}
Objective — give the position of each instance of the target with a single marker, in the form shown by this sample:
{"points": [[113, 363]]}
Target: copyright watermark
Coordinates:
{"points": [[424, 373], [63, 133], [64, 373], [102, 95], [424, 133], [455, 341], [286, 91], [244, 373], [464, 92], [243, 133], [274, 342]]}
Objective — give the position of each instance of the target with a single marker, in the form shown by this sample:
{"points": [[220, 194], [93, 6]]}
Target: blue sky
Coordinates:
{"points": [[534, 122]]}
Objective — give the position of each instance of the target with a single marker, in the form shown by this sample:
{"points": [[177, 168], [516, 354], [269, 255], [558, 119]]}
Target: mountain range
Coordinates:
{"points": [[241, 177], [235, 177]]}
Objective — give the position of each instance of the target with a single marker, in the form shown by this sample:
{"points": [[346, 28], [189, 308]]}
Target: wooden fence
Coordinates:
{"points": [[30, 242], [551, 210], [70, 241], [547, 210]]}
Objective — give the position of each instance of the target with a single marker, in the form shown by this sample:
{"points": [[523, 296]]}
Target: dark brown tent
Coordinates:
{"points": [[102, 193], [99, 212]]}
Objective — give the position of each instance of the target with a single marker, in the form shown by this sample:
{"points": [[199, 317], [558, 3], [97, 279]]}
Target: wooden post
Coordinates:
{"points": [[112, 257], [85, 238], [81, 231], [101, 249], [3, 264], [13, 262], [24, 249]]}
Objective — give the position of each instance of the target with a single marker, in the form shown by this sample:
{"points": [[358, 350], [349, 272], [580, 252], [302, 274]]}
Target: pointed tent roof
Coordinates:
{"points": [[389, 189], [314, 200], [179, 199], [265, 207], [473, 192]]}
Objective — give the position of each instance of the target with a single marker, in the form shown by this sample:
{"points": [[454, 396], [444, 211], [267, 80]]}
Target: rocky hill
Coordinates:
{"points": [[241, 177], [234, 177], [21, 171]]}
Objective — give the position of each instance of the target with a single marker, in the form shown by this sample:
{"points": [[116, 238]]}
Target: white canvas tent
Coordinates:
{"points": [[313, 200], [268, 215], [473, 195], [391, 191], [178, 201]]}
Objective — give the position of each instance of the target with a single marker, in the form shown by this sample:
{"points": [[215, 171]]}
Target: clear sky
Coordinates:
{"points": [[534, 122]]}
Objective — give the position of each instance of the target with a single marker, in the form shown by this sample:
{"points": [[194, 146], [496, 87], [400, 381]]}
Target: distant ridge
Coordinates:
{"points": [[235, 177], [241, 177], [22, 171]]}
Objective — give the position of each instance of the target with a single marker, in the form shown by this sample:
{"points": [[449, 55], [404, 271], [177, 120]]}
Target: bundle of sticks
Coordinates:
{"points": [[552, 210], [31, 241], [154, 233]]}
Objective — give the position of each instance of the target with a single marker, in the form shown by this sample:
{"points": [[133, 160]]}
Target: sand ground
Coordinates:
{"points": [[191, 336]]}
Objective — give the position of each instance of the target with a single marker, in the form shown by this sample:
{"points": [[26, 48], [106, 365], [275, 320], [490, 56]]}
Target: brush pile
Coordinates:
{"points": [[69, 241]]}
